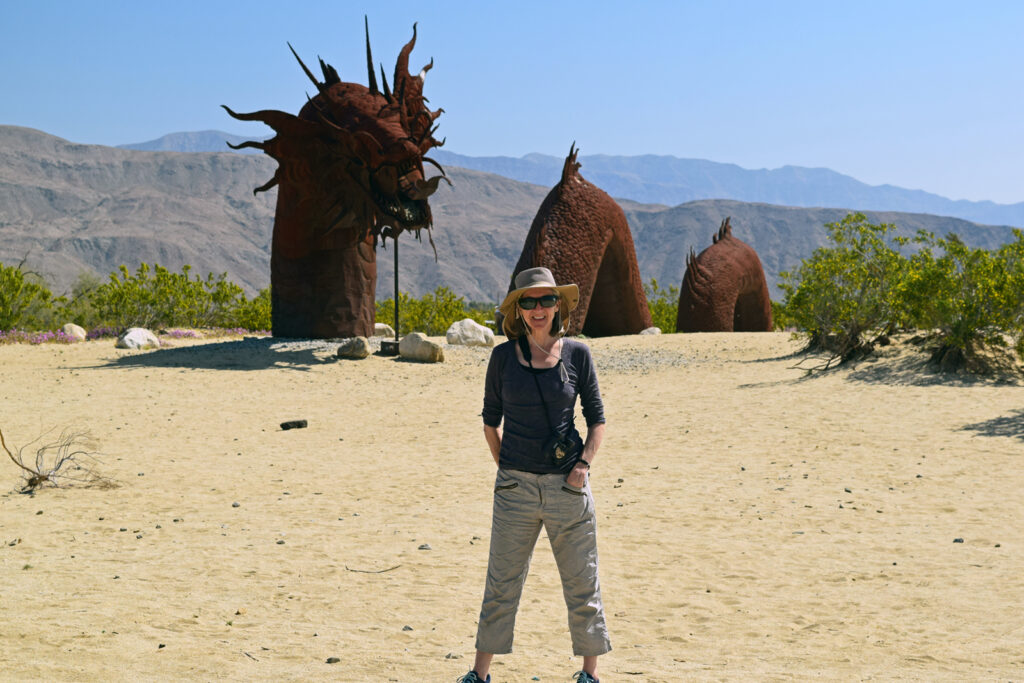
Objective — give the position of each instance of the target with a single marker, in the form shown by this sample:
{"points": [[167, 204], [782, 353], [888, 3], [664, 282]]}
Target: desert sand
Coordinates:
{"points": [[754, 523]]}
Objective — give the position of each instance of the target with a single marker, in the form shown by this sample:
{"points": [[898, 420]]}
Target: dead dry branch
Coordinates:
{"points": [[67, 460]]}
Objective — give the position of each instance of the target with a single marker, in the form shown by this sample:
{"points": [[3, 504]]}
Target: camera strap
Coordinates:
{"points": [[524, 346]]}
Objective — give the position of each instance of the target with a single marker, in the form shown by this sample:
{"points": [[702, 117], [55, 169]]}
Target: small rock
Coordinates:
{"points": [[354, 348], [416, 346], [281, 542], [383, 330], [651, 330], [407, 628], [236, 504], [425, 546], [74, 331], [160, 646], [958, 540], [294, 424], [468, 332], [137, 338], [452, 655], [333, 660]]}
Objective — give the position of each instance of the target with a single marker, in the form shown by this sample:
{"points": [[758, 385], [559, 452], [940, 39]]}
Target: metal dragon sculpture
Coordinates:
{"points": [[350, 172], [581, 235], [724, 288]]}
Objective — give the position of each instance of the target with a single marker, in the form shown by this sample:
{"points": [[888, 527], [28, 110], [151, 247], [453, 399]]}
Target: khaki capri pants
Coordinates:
{"points": [[523, 502]]}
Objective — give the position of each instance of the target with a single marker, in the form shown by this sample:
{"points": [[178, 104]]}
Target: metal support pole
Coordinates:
{"points": [[394, 239], [387, 347]]}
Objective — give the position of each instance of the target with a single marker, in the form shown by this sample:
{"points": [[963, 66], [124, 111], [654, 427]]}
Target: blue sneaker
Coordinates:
{"points": [[584, 677], [472, 677]]}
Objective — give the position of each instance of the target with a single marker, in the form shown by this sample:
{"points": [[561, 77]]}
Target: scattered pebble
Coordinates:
{"points": [[407, 628], [281, 542], [40, 512], [425, 546], [452, 655], [333, 660], [160, 646], [958, 540], [294, 424], [236, 504]]}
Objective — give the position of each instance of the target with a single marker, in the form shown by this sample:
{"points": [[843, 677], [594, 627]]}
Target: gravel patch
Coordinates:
{"points": [[636, 361]]}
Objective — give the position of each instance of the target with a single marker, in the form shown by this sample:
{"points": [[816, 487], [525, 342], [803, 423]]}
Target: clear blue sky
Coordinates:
{"points": [[921, 94]]}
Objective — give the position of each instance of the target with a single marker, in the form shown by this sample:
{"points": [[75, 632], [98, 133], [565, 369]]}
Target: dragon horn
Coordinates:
{"points": [[384, 80], [330, 74], [423, 72], [309, 73], [402, 63], [369, 59]]}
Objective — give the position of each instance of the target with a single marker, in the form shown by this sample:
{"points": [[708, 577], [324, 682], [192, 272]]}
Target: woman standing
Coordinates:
{"points": [[543, 465]]}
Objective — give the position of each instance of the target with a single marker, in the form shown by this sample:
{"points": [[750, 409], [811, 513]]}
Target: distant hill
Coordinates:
{"points": [[70, 208], [652, 179], [672, 181], [200, 141]]}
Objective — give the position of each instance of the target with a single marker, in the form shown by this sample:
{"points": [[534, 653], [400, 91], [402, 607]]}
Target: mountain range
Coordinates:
{"points": [[67, 208], [668, 180]]}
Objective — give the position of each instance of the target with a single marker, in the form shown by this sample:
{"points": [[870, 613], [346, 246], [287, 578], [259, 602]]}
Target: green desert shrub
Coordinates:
{"points": [[663, 304], [252, 314], [847, 293], [966, 296], [77, 307], [157, 297], [25, 301], [431, 314], [860, 288]]}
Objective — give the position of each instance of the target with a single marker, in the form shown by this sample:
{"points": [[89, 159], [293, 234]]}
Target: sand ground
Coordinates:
{"points": [[754, 524]]}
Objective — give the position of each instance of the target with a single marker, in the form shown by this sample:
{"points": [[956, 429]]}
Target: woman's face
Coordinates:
{"points": [[539, 318]]}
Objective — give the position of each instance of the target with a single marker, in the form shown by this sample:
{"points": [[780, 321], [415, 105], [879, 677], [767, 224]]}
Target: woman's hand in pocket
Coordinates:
{"points": [[577, 477]]}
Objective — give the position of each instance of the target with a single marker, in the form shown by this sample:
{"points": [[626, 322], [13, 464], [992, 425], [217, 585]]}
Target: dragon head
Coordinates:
{"points": [[352, 161]]}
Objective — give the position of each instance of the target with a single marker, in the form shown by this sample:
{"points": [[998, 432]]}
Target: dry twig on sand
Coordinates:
{"points": [[69, 459]]}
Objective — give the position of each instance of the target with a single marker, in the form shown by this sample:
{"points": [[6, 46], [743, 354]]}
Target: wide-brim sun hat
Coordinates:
{"points": [[533, 278]]}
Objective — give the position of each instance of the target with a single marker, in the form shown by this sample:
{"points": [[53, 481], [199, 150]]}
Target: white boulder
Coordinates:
{"points": [[416, 346], [383, 330], [354, 347], [469, 333], [137, 338], [651, 330], [74, 331]]}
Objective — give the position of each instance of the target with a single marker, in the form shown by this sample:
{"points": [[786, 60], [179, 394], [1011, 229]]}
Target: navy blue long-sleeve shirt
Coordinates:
{"points": [[510, 394]]}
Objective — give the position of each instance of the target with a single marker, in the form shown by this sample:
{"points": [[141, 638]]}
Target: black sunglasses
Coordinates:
{"points": [[528, 303]]}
